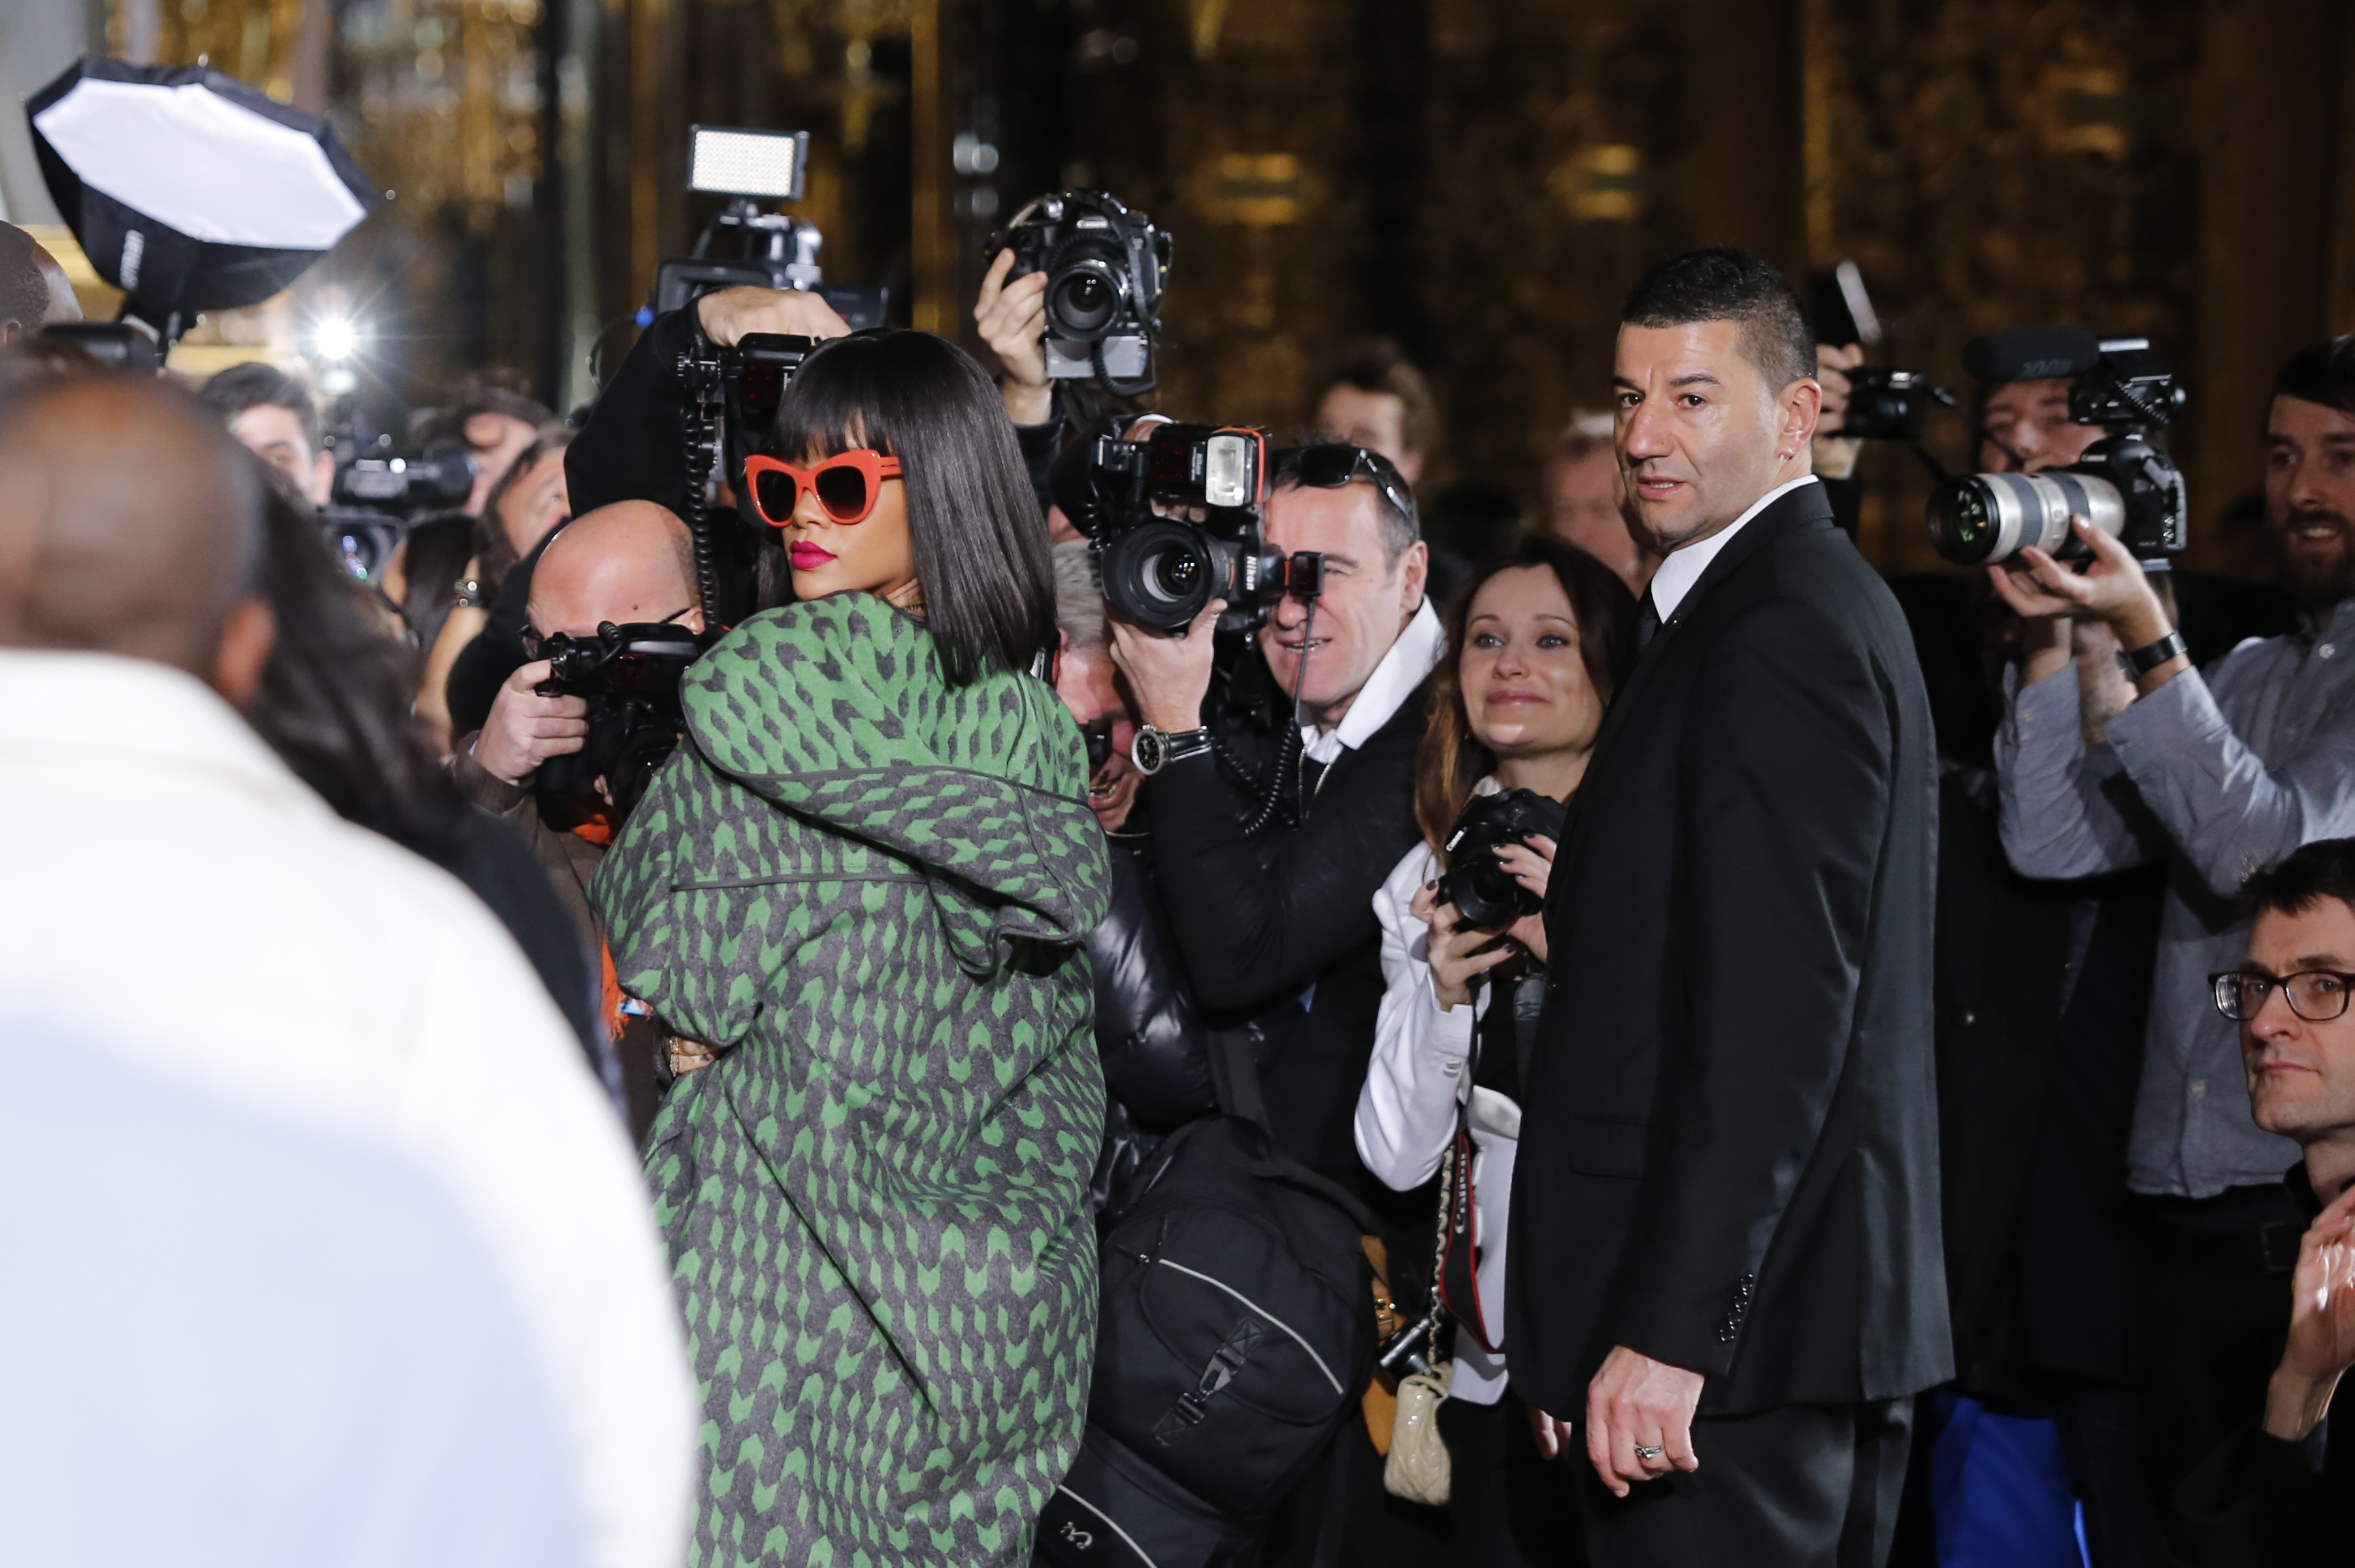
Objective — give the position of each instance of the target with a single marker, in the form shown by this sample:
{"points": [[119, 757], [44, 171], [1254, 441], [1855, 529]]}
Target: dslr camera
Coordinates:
{"points": [[2124, 485], [1106, 268], [1883, 404], [1485, 895], [628, 676], [1159, 570]]}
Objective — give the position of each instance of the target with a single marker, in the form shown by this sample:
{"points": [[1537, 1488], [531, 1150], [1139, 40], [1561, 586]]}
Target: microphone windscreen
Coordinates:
{"points": [[2031, 354]]}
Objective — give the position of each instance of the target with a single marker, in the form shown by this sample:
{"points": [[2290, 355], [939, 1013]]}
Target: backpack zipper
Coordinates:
{"points": [[1263, 1312]]}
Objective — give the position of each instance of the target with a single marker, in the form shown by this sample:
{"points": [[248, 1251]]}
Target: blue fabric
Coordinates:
{"points": [[2000, 1492]]}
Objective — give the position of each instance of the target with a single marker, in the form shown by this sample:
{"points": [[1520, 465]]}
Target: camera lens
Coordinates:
{"points": [[1158, 574], [1982, 517], [1084, 299]]}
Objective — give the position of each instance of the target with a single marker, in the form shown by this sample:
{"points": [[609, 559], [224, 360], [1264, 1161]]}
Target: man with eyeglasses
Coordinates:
{"points": [[2280, 1490], [630, 562], [2209, 772], [1276, 811]]}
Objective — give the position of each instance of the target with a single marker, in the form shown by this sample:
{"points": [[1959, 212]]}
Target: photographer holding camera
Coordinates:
{"points": [[629, 564], [2211, 774], [1536, 647]]}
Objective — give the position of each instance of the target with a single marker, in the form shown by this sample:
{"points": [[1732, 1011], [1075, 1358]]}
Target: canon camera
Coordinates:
{"points": [[2124, 485], [1106, 267]]}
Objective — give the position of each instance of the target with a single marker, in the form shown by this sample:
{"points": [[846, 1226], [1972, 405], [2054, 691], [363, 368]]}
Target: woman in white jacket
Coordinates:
{"points": [[1536, 646]]}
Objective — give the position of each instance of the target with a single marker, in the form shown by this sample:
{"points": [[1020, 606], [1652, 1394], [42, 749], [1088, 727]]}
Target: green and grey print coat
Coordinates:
{"points": [[872, 886]]}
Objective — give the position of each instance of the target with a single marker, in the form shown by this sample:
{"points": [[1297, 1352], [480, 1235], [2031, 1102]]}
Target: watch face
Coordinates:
{"points": [[1146, 751]]}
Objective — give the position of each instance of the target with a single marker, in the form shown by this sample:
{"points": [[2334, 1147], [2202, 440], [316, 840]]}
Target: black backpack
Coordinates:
{"points": [[1235, 1337]]}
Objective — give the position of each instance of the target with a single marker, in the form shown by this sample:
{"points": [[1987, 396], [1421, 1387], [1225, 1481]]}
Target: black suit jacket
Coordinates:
{"points": [[1728, 1151]]}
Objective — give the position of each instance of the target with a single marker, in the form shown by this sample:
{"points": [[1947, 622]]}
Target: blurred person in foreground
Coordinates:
{"points": [[2281, 1489], [1723, 1282], [860, 892], [33, 287], [2208, 774], [295, 962], [631, 562], [248, 1341], [1585, 502], [1536, 647], [274, 416], [333, 703]]}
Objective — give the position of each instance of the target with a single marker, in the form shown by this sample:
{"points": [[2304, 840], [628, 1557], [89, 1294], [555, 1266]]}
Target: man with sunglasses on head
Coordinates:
{"points": [[628, 563], [1269, 839], [2280, 1490]]}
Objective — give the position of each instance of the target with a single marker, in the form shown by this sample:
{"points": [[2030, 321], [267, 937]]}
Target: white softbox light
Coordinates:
{"points": [[187, 190]]}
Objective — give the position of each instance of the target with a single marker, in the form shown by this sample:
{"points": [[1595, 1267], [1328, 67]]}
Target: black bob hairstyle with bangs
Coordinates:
{"points": [[980, 545]]}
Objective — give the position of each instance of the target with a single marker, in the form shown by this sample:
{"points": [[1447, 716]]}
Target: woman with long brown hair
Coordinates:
{"points": [[1537, 644]]}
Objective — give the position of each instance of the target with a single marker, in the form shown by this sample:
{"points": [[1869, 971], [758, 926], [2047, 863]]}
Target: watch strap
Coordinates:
{"points": [[2148, 657]]}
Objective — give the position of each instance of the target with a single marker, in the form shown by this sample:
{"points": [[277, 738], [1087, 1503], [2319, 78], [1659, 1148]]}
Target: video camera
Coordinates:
{"points": [[1160, 570], [377, 495], [1106, 269], [628, 676], [2124, 485]]}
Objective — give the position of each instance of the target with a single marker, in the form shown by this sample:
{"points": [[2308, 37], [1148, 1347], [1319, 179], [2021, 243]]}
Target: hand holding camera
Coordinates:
{"points": [[1836, 453], [1012, 317], [1169, 674], [729, 315], [526, 729], [2113, 588]]}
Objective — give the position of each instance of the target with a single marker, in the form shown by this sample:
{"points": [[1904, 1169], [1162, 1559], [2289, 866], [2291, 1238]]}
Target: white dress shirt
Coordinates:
{"points": [[1407, 1109], [1685, 564], [172, 885], [1413, 656]]}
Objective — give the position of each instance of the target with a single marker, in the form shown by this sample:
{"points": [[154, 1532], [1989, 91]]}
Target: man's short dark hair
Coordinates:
{"points": [[1729, 285], [257, 384], [2321, 373], [24, 292], [1380, 366], [2302, 879]]}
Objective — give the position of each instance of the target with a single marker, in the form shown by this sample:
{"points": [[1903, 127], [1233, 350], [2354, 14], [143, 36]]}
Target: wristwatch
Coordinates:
{"points": [[1153, 751], [2150, 655]]}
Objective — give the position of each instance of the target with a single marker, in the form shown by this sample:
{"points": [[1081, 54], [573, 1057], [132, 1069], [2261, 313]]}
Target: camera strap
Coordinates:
{"points": [[700, 432]]}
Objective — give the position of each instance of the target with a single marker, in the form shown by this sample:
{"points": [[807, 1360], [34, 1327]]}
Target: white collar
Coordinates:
{"points": [[99, 710], [1410, 659], [1682, 568]]}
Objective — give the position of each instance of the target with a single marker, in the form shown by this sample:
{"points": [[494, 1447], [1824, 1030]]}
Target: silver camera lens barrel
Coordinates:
{"points": [[2035, 509], [1984, 517]]}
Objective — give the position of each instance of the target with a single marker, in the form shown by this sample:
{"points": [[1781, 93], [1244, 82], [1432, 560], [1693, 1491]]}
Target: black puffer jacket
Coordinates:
{"points": [[1149, 1031]]}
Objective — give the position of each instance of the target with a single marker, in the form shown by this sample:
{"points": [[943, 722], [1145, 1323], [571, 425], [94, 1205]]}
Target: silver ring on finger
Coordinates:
{"points": [[1648, 1452]]}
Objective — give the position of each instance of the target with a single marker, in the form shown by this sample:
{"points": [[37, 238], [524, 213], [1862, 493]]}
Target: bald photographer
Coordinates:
{"points": [[574, 735]]}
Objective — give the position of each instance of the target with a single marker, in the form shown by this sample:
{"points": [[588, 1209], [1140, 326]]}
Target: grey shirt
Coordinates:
{"points": [[2216, 774]]}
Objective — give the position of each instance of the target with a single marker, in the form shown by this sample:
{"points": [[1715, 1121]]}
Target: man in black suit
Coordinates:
{"points": [[1725, 1253]]}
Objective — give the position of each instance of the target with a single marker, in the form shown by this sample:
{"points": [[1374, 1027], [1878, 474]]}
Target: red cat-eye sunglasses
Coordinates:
{"points": [[847, 485]]}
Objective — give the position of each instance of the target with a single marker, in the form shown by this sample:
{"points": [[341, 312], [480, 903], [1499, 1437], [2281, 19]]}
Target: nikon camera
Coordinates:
{"points": [[2125, 486], [1160, 567], [1106, 267]]}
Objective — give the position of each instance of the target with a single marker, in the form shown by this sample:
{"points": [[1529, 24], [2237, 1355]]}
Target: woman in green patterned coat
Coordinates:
{"points": [[862, 882]]}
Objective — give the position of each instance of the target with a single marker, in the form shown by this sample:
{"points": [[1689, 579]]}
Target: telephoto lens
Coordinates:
{"points": [[1984, 517]]}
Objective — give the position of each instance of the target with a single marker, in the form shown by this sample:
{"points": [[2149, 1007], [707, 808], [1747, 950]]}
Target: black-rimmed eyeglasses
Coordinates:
{"points": [[2317, 996]]}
